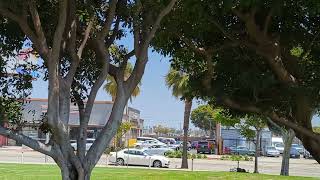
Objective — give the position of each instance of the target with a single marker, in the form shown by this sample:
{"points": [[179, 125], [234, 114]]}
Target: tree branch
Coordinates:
{"points": [[156, 24], [114, 32], [272, 115], [85, 38], [34, 144], [22, 22], [267, 22], [37, 23], [109, 18], [58, 34]]}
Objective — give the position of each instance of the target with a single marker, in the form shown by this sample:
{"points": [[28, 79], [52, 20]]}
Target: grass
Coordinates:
{"points": [[51, 172]]}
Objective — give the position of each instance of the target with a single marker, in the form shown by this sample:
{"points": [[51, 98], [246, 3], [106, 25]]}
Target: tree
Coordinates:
{"points": [[251, 57], [161, 130], [252, 128], [111, 86], [205, 118], [178, 81], [74, 38], [287, 136]]}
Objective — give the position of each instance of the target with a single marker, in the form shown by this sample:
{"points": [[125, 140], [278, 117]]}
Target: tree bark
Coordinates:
{"points": [[187, 110], [287, 139], [257, 152]]}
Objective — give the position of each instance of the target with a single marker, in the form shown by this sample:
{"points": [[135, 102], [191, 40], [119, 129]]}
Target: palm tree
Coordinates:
{"points": [[111, 86], [179, 82]]}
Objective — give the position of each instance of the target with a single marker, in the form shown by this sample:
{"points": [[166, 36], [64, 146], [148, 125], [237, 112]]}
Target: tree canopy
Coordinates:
{"points": [[259, 57]]}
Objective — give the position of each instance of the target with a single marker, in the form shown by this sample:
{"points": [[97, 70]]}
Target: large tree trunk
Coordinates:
{"points": [[187, 110], [287, 139], [257, 151]]}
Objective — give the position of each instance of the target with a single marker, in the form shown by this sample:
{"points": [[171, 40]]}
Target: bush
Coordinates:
{"points": [[178, 154], [237, 158]]}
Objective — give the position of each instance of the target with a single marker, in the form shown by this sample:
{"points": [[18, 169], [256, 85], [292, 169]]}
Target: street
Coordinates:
{"points": [[267, 165]]}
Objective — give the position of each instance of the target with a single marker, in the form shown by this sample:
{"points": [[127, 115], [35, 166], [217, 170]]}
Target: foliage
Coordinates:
{"points": [[205, 116], [123, 129], [316, 130], [237, 158], [178, 154], [252, 124], [179, 82], [162, 130], [259, 57]]}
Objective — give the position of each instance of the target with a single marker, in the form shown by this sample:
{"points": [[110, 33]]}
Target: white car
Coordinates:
{"points": [[88, 144], [272, 152], [158, 150], [148, 143], [138, 157], [279, 147]]}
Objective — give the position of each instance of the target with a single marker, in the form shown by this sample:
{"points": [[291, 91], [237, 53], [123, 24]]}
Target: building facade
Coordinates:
{"points": [[35, 109]]}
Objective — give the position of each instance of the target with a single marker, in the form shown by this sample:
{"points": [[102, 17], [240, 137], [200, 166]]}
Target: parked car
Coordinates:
{"points": [[194, 144], [205, 147], [307, 155], [272, 152], [167, 141], [88, 144], [298, 148], [226, 150], [148, 143], [158, 150], [294, 153], [142, 139], [242, 150], [138, 157], [279, 147], [179, 145]]}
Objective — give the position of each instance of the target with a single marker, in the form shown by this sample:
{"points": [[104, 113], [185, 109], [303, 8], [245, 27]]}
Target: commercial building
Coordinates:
{"points": [[34, 109]]}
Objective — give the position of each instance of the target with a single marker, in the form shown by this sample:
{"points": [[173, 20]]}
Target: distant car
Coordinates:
{"points": [[205, 147], [226, 150], [279, 147], [179, 145], [88, 144], [242, 150], [294, 153], [148, 143], [194, 144], [272, 152], [307, 155], [298, 148], [158, 150], [138, 157]]}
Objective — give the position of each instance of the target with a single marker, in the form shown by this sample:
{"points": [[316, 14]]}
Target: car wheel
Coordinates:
{"points": [[177, 149], [120, 162], [189, 149], [157, 164]]}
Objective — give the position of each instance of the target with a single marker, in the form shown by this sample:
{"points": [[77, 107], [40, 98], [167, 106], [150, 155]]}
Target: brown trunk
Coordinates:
{"points": [[257, 153], [187, 110], [303, 114], [287, 139]]}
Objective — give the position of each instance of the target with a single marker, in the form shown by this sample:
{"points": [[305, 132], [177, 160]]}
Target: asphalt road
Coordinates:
{"points": [[267, 165]]}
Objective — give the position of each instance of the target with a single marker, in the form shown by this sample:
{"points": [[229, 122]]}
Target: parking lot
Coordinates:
{"points": [[267, 165]]}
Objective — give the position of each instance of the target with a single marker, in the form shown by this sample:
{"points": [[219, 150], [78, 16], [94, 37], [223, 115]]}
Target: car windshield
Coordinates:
{"points": [[295, 145], [279, 145], [271, 148]]}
